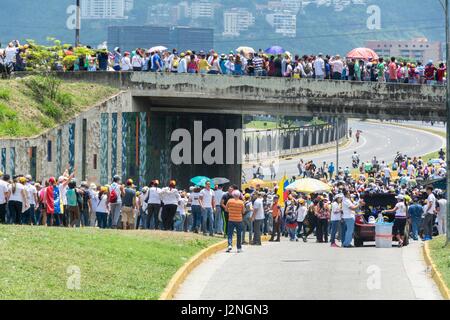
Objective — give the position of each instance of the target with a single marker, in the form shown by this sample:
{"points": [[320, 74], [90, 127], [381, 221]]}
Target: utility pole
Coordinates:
{"points": [[337, 147], [78, 24], [447, 52]]}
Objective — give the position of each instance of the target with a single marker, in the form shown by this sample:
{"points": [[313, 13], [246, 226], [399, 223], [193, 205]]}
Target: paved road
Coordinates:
{"points": [[316, 271], [293, 270], [378, 139]]}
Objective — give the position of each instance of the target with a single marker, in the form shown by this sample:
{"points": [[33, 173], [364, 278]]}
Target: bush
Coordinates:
{"points": [[65, 99], [6, 113], [5, 94], [43, 87], [49, 108], [46, 122]]}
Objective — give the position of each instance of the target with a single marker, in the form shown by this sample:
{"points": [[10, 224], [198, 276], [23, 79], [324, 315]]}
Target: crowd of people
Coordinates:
{"points": [[249, 63], [249, 213]]}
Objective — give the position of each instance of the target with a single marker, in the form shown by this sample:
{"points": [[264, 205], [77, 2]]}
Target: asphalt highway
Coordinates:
{"points": [[382, 140]]}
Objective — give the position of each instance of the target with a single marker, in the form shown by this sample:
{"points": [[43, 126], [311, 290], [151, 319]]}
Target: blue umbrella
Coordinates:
{"points": [[201, 181], [275, 50]]}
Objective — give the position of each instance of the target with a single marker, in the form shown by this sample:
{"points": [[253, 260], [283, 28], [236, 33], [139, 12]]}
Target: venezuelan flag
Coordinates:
{"points": [[282, 192]]}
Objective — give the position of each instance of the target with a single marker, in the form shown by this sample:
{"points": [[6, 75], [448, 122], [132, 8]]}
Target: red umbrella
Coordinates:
{"points": [[362, 53]]}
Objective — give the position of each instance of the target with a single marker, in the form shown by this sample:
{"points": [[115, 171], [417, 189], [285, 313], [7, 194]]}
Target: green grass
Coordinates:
{"points": [[113, 264], [441, 257], [5, 94], [259, 125], [33, 114]]}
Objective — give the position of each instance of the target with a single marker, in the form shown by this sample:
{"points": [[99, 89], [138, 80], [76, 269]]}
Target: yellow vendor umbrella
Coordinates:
{"points": [[309, 186], [255, 182]]}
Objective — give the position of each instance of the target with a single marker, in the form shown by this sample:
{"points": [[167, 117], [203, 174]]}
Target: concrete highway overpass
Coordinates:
{"points": [[263, 95]]}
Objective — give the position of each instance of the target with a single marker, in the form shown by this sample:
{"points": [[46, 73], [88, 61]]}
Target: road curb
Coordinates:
{"points": [[180, 276], [435, 274]]}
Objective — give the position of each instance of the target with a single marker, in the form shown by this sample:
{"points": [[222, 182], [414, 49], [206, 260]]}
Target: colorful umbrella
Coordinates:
{"points": [[362, 53], [309, 186], [436, 161], [201, 181], [255, 182], [275, 50], [220, 181], [158, 48], [245, 50]]}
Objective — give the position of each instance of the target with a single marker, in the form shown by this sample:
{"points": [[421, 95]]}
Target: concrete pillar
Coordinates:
{"points": [[301, 133], [291, 140]]}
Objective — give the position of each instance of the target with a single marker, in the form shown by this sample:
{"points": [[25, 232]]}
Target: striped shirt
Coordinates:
{"points": [[235, 209], [258, 62]]}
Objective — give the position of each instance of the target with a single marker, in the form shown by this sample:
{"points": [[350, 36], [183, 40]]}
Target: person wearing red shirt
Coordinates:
{"points": [[393, 71], [430, 71], [441, 73]]}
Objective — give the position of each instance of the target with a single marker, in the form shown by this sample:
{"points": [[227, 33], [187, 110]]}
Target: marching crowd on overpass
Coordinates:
{"points": [[272, 62]]}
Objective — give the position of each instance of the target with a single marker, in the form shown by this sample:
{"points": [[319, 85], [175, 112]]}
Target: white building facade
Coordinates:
{"points": [[105, 9], [236, 21]]}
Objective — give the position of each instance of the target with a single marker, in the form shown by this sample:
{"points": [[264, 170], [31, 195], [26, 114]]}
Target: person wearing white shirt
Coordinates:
{"points": [[93, 195], [400, 210], [196, 209], [18, 200], [218, 219], [170, 197], [10, 53], [143, 206], [154, 205], [319, 67], [180, 217], [182, 65], [4, 194], [442, 215], [338, 66], [302, 210], [101, 208], [348, 214], [429, 219], [32, 200], [137, 62], [258, 218], [411, 169], [207, 202], [125, 63], [336, 217], [387, 176]]}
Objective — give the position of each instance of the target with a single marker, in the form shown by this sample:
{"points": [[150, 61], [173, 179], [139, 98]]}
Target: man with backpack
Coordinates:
{"points": [[74, 201], [129, 206], [115, 202]]}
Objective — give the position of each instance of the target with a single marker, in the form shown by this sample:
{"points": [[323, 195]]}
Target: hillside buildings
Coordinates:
{"points": [[105, 9], [419, 49]]}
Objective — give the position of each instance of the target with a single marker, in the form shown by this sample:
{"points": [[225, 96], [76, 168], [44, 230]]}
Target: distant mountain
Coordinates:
{"points": [[331, 26]]}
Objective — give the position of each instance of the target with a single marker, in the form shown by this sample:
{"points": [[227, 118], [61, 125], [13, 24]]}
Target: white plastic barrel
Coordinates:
{"points": [[383, 235]]}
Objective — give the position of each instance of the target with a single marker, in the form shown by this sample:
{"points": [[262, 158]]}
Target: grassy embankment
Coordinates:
{"points": [[31, 105], [441, 257], [43, 263]]}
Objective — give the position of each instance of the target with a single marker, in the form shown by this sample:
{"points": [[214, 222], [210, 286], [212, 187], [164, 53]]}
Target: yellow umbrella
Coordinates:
{"points": [[256, 182], [309, 186]]}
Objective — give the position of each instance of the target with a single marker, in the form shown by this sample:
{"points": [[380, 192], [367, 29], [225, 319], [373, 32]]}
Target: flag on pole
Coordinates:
{"points": [[282, 192]]}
